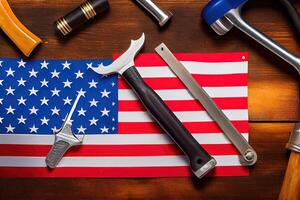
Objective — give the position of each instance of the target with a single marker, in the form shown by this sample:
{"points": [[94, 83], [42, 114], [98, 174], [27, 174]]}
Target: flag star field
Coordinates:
{"points": [[36, 96]]}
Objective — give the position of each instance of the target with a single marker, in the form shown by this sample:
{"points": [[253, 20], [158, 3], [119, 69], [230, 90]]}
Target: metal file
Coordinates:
{"points": [[249, 156]]}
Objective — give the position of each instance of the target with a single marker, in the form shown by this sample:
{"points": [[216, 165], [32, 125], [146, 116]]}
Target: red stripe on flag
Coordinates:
{"points": [[112, 150], [188, 105], [203, 80], [193, 127], [150, 59], [115, 172]]}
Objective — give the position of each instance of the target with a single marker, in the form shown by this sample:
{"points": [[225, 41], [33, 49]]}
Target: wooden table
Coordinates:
{"points": [[273, 93]]}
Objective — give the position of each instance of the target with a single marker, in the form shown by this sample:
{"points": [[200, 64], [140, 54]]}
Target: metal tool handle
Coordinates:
{"points": [[161, 16], [56, 153], [293, 15], [201, 162], [235, 17]]}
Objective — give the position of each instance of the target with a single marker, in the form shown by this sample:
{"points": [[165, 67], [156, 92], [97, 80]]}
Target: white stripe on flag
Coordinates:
{"points": [[118, 139], [131, 161], [183, 94], [195, 68], [183, 116]]}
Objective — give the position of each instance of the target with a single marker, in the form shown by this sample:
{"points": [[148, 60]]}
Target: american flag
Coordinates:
{"points": [[122, 140]]}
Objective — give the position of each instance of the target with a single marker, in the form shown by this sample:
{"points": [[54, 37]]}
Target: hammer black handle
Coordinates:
{"points": [[198, 157]]}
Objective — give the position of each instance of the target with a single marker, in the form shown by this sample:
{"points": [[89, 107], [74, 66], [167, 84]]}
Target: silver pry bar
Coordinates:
{"points": [[249, 156], [162, 16]]}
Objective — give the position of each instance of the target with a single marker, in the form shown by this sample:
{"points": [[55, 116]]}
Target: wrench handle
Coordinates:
{"points": [[198, 157], [292, 14], [56, 153]]}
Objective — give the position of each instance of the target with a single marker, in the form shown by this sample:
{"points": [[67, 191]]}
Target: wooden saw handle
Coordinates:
{"points": [[25, 40], [290, 189]]}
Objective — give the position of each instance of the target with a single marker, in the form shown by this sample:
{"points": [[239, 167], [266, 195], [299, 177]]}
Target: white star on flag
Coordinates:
{"points": [[45, 121], [21, 120], [104, 112], [33, 129], [93, 84], [105, 94], [55, 111], [55, 92], [67, 83], [81, 112], [1, 101], [44, 64], [55, 74], [81, 92], [79, 74], [66, 65], [93, 103], [67, 101], [1, 82], [33, 91], [33, 73], [81, 129], [10, 129], [10, 72], [93, 121], [104, 130], [44, 101], [10, 91], [44, 83], [21, 63], [1, 120], [54, 129], [22, 101], [33, 110], [21, 82], [89, 65], [10, 110]]}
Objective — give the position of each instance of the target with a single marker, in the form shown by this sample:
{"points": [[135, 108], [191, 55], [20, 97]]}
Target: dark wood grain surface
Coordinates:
{"points": [[273, 92]]}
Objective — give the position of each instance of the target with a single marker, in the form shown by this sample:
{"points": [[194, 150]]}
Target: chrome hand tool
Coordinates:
{"points": [[64, 140], [201, 162], [249, 156], [222, 15], [161, 16]]}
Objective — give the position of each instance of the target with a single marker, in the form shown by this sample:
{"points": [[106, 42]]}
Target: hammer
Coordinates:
{"points": [[201, 162], [25, 40], [222, 15]]}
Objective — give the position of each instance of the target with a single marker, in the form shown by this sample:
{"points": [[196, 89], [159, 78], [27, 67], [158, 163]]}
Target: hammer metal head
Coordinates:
{"points": [[214, 13], [125, 61]]}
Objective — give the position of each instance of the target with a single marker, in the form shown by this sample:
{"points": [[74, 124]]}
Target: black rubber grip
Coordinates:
{"points": [[293, 15], [167, 120], [80, 16]]}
